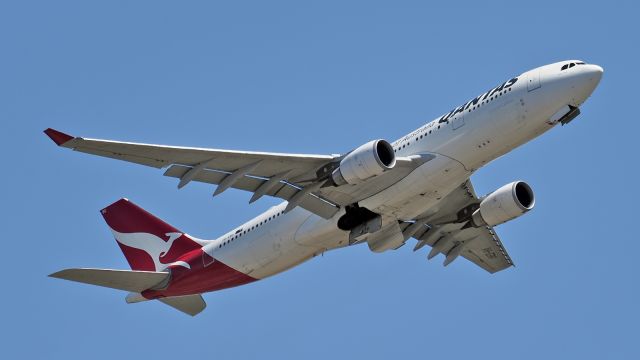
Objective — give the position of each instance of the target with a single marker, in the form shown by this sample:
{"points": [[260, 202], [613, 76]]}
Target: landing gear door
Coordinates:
{"points": [[533, 80]]}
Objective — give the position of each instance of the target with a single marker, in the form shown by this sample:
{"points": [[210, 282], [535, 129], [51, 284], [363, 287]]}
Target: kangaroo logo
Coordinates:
{"points": [[152, 245]]}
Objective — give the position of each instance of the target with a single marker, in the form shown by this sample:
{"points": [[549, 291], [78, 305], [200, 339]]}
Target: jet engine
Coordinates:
{"points": [[365, 162], [504, 204]]}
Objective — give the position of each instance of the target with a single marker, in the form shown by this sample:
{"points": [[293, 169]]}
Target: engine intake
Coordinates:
{"points": [[506, 203], [365, 162]]}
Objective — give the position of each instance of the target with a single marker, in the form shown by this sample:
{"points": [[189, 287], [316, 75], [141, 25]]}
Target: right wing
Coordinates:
{"points": [[262, 173]]}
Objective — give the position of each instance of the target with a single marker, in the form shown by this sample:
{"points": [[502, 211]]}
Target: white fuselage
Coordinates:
{"points": [[465, 139]]}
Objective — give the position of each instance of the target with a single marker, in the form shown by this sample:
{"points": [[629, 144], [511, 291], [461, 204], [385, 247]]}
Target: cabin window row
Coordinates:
{"points": [[239, 234], [470, 109]]}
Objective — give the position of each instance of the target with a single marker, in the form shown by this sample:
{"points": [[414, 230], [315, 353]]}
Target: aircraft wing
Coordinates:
{"points": [[292, 177], [446, 235], [260, 172]]}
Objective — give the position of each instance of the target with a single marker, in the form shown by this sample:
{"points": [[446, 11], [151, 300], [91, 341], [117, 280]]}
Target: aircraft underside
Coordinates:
{"points": [[382, 194]]}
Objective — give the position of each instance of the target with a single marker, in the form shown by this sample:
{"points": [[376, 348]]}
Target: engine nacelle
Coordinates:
{"points": [[365, 162], [504, 204]]}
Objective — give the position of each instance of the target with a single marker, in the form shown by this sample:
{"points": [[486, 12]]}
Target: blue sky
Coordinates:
{"points": [[313, 78]]}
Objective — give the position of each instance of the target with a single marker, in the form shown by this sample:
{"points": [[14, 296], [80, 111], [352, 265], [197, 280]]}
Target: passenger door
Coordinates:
{"points": [[457, 121], [533, 80]]}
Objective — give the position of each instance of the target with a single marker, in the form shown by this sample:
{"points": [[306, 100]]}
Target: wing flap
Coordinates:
{"points": [[284, 190], [479, 245], [488, 252], [214, 177], [447, 235]]}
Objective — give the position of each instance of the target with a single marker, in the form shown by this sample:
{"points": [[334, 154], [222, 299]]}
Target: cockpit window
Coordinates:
{"points": [[570, 65]]}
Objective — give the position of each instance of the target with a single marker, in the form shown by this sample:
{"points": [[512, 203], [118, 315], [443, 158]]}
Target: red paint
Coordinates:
{"points": [[137, 259], [205, 273], [200, 278], [126, 217], [58, 137]]}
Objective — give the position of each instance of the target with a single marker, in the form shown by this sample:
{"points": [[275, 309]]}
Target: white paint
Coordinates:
{"points": [[152, 245], [456, 144], [275, 241]]}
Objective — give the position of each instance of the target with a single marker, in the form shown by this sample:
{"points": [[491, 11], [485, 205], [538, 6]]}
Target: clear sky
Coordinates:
{"points": [[313, 78]]}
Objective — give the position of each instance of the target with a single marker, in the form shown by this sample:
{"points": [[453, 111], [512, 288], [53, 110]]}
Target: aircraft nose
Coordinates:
{"points": [[594, 73], [586, 79]]}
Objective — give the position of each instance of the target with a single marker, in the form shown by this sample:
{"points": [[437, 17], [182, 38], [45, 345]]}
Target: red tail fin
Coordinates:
{"points": [[147, 242]]}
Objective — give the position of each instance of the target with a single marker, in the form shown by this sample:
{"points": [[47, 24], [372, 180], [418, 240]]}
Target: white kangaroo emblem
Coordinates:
{"points": [[152, 245]]}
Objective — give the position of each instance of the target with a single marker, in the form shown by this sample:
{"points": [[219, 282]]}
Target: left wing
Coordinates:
{"points": [[447, 235], [482, 246]]}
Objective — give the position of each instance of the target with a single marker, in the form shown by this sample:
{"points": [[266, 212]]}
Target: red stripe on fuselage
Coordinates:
{"points": [[206, 274]]}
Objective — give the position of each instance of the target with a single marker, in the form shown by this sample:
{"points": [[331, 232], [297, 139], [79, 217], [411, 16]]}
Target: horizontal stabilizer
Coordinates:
{"points": [[128, 280], [189, 304]]}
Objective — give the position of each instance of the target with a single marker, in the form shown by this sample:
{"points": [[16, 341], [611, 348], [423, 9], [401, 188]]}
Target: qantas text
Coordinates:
{"points": [[505, 85]]}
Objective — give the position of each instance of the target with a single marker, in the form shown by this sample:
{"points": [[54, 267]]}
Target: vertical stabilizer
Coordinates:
{"points": [[148, 243]]}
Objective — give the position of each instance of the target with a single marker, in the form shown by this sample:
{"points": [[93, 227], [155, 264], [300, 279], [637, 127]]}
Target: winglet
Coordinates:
{"points": [[58, 137]]}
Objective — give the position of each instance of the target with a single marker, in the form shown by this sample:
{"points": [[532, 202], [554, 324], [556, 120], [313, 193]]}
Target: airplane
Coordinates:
{"points": [[380, 193]]}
